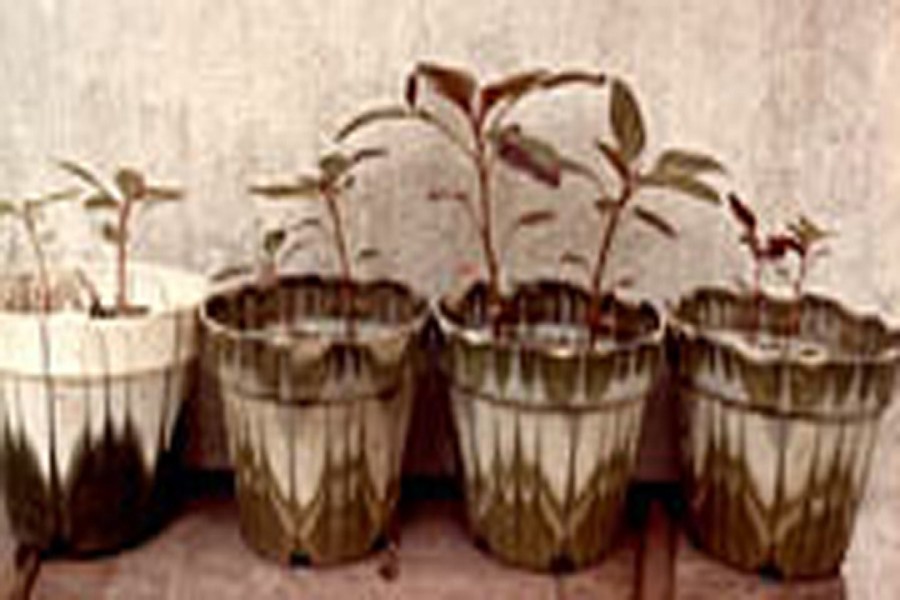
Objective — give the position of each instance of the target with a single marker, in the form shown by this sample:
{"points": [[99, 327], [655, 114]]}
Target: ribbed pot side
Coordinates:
{"points": [[548, 424], [316, 417], [777, 447], [88, 408]]}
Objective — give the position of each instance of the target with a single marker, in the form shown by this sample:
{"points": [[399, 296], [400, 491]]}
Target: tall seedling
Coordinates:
{"points": [[327, 186], [674, 169], [479, 130], [119, 201]]}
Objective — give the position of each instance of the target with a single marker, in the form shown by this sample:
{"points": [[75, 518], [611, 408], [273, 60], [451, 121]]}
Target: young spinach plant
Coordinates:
{"points": [[128, 191], [328, 186], [674, 169], [479, 130], [802, 237]]}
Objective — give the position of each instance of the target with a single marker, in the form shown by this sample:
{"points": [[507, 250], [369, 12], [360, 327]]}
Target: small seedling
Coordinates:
{"points": [[479, 130], [128, 191], [28, 212], [801, 237], [674, 169], [328, 185]]}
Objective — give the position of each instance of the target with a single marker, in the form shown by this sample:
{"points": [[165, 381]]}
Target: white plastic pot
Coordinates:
{"points": [[88, 407]]}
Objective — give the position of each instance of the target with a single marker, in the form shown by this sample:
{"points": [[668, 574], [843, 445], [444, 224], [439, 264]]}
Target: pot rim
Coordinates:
{"points": [[605, 346], [888, 354], [218, 328], [198, 289]]}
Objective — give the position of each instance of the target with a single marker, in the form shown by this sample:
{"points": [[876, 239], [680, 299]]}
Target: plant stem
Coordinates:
{"points": [[603, 251], [40, 257], [340, 242], [798, 295], [756, 322], [122, 256], [487, 229]]}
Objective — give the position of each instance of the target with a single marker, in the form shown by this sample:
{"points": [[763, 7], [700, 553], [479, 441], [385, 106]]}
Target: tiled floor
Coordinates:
{"points": [[201, 555]]}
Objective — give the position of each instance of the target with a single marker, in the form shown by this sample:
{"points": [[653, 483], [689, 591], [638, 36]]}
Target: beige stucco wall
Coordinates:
{"points": [[801, 99]]}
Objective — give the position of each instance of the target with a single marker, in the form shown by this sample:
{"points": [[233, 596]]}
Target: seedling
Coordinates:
{"points": [[674, 169], [328, 185], [119, 200], [801, 237], [29, 212], [479, 130]]}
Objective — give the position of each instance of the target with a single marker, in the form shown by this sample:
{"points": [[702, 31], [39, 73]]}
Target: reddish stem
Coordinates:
{"points": [[604, 249], [340, 241], [122, 255]]}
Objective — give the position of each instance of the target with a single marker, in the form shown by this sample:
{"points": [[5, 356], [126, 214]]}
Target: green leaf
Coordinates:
{"points": [[231, 271], [367, 254], [627, 123], [441, 195], [534, 217], [306, 188], [529, 154], [7, 208], [100, 201], [58, 196], [686, 162], [655, 221], [84, 174], [110, 232], [573, 77], [624, 282], [162, 194], [130, 182], [575, 167], [273, 240], [742, 212], [688, 186], [308, 223], [615, 159], [372, 116], [453, 84], [807, 232], [509, 88], [335, 165], [575, 259]]}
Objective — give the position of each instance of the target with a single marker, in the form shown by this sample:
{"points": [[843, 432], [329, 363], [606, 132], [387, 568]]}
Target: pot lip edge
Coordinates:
{"points": [[651, 339], [216, 328], [66, 318], [683, 327]]}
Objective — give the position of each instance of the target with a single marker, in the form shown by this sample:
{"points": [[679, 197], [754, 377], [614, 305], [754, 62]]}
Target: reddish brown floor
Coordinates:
{"points": [[200, 555]]}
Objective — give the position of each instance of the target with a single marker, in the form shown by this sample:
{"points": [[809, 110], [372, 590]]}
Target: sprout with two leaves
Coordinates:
{"points": [[128, 191], [478, 128]]}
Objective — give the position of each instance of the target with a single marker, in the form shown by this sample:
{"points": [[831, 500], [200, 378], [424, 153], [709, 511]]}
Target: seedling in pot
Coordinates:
{"points": [[119, 200], [674, 169], [478, 128], [801, 237], [28, 212], [328, 186]]}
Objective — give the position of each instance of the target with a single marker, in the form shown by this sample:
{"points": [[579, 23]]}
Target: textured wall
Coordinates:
{"points": [[801, 99]]}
